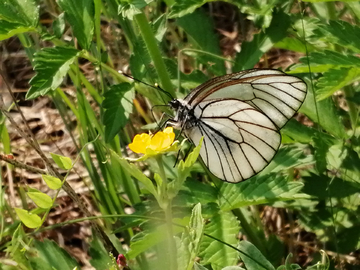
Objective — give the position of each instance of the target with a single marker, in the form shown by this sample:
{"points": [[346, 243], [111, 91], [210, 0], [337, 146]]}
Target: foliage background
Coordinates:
{"points": [[61, 60]]}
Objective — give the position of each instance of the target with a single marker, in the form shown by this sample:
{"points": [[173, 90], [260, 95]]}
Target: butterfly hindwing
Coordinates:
{"points": [[239, 141]]}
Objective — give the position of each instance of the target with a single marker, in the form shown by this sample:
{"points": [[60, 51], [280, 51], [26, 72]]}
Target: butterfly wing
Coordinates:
{"points": [[239, 141], [272, 92]]}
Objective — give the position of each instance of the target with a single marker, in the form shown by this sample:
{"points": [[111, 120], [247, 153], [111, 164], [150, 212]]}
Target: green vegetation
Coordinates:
{"points": [[301, 212]]}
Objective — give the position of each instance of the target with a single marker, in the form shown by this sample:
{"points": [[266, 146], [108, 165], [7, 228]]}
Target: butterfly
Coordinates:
{"points": [[240, 116]]}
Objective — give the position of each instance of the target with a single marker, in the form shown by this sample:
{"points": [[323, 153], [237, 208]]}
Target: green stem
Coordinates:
{"points": [[154, 52], [166, 205]]}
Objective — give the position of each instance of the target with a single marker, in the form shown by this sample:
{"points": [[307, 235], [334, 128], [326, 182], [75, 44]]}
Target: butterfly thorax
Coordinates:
{"points": [[184, 117]]}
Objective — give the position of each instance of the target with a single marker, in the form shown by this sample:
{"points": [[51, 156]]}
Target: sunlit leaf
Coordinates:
{"points": [[259, 190], [51, 66], [80, 15], [63, 162], [253, 258], [30, 220], [52, 181], [223, 226], [41, 199], [118, 104], [55, 256]]}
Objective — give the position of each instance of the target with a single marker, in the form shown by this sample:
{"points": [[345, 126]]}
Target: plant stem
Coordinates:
{"points": [[154, 52], [166, 205]]}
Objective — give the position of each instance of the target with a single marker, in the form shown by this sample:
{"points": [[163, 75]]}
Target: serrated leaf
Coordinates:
{"points": [[253, 258], [223, 226], [80, 15], [30, 220], [55, 256], [342, 33], [199, 26], [323, 61], [323, 187], [118, 104], [51, 66], [52, 181], [252, 51], [9, 29], [301, 133], [190, 239], [25, 13], [259, 190], [335, 79], [182, 8], [286, 158], [40, 199], [63, 162], [324, 113]]}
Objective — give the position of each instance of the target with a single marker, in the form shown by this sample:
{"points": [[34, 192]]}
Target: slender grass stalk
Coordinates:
{"points": [[155, 54], [166, 205]]}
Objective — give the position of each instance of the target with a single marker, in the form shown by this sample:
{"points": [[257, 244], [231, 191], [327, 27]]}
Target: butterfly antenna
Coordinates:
{"points": [[156, 86]]}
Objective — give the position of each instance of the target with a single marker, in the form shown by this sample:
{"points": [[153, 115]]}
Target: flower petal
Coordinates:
{"points": [[140, 143]]}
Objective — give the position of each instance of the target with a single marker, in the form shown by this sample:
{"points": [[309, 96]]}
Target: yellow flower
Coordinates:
{"points": [[162, 141]]}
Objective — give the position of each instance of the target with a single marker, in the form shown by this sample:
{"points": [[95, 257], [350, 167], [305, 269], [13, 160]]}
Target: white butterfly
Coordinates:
{"points": [[240, 116]]}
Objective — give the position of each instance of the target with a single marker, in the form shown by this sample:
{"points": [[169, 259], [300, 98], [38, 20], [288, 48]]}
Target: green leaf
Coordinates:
{"points": [[342, 33], [326, 114], [80, 15], [52, 181], [9, 29], [193, 192], [323, 187], [182, 8], [55, 256], [63, 162], [253, 258], [100, 258], [199, 26], [51, 66], [118, 104], [223, 226], [323, 61], [259, 190], [301, 133], [286, 158], [198, 266], [321, 148], [233, 268], [40, 199], [335, 79], [145, 240], [252, 51], [185, 167], [137, 174], [190, 239], [59, 25], [30, 220], [128, 11], [25, 13]]}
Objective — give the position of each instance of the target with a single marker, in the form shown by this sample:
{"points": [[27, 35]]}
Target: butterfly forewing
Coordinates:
{"points": [[239, 115], [273, 92]]}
